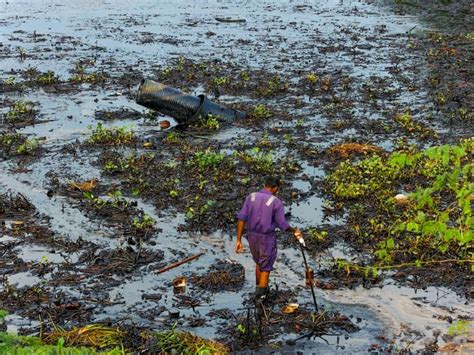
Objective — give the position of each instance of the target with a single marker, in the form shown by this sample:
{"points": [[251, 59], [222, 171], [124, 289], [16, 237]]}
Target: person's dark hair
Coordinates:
{"points": [[272, 181]]}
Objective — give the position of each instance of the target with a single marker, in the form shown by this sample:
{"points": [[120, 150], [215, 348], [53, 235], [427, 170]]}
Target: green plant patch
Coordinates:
{"points": [[21, 111], [18, 144], [102, 135], [28, 345], [429, 224]]}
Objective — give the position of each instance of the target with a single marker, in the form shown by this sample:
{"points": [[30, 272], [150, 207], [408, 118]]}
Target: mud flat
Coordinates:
{"points": [[351, 103]]}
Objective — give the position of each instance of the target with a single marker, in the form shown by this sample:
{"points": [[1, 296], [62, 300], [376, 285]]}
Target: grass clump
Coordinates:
{"points": [[110, 136], [25, 345], [175, 342], [94, 335]]}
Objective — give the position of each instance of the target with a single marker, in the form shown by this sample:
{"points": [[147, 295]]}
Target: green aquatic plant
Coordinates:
{"points": [[258, 160], [102, 135], [21, 53], [176, 342], [47, 78], [91, 78], [461, 327], [273, 86], [172, 138], [10, 80], [19, 111], [431, 225], [261, 112], [130, 163], [29, 146], [210, 122], [412, 127], [221, 81], [206, 159], [317, 235], [143, 222], [96, 201], [244, 75], [117, 200]]}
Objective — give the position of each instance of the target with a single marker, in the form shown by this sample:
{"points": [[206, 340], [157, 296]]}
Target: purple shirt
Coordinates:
{"points": [[263, 212]]}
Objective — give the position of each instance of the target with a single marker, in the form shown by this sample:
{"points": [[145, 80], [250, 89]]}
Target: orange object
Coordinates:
{"points": [[164, 124]]}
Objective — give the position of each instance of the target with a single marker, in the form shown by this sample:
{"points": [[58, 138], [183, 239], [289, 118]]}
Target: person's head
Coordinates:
{"points": [[272, 183]]}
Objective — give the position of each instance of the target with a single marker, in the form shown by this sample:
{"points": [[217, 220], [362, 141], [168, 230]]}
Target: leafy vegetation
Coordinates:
{"points": [[29, 146], [172, 138], [143, 222], [258, 160], [261, 112], [273, 86], [20, 111], [132, 163], [206, 159], [174, 342], [110, 136], [461, 327], [99, 339], [18, 144], [210, 122], [412, 127], [48, 78], [434, 226]]}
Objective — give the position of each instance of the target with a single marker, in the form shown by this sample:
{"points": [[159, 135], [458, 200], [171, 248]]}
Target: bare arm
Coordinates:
{"points": [[240, 230]]}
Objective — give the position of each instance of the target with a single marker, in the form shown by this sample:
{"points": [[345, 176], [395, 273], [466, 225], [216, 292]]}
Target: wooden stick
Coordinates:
{"points": [[178, 263]]}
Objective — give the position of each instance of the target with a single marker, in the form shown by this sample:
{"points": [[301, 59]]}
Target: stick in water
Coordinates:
{"points": [[178, 263]]}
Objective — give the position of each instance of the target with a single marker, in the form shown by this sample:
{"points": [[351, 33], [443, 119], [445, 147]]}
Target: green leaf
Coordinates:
{"points": [[381, 253], [443, 247], [375, 272], [3, 314], [443, 217], [211, 202], [413, 227], [390, 243]]}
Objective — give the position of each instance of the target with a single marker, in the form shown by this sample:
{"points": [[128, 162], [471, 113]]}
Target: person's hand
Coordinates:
{"points": [[298, 234], [239, 247]]}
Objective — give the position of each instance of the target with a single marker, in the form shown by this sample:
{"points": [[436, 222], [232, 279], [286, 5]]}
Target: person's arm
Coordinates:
{"points": [[239, 247], [242, 217]]}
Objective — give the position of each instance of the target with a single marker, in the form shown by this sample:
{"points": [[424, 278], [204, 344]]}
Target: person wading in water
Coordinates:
{"points": [[262, 213]]}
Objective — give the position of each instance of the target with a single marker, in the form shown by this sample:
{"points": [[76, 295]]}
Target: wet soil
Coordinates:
{"points": [[76, 252]]}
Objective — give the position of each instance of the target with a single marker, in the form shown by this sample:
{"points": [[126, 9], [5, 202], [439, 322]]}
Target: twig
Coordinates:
{"points": [[172, 266]]}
